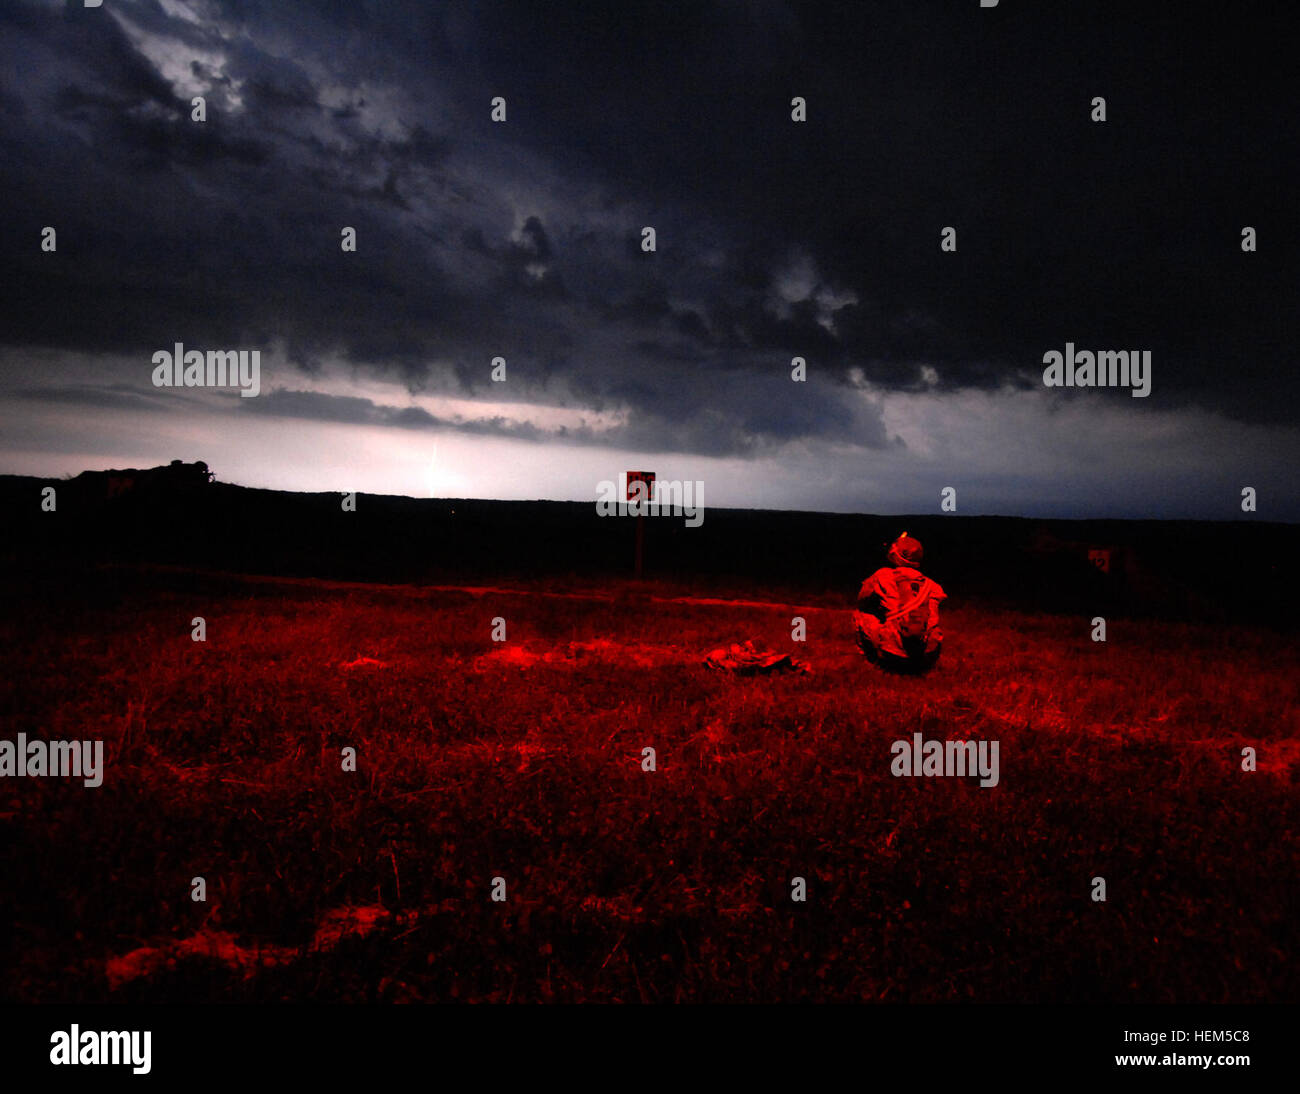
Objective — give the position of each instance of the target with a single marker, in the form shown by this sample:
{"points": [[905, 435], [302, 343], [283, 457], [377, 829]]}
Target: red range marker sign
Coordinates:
{"points": [[645, 493], [640, 488]]}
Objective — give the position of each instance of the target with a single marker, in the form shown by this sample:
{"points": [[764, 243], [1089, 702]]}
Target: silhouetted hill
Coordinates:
{"points": [[1238, 570]]}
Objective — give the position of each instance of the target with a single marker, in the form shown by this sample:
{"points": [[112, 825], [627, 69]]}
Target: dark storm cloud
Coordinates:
{"points": [[355, 411], [105, 397], [774, 239]]}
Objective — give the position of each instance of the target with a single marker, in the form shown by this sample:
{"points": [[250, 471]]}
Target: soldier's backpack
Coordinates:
{"points": [[913, 614]]}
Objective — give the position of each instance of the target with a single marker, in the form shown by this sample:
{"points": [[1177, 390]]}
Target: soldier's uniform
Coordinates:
{"points": [[897, 614]]}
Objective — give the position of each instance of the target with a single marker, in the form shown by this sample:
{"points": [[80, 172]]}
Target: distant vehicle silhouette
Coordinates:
{"points": [[96, 488], [1119, 574]]}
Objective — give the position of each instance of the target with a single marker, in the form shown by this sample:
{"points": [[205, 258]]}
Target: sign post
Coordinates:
{"points": [[640, 488]]}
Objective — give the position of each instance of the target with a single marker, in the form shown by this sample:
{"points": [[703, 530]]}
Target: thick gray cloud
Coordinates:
{"points": [[774, 239]]}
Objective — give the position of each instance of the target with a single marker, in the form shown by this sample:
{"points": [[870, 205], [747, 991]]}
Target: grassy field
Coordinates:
{"points": [[523, 760]]}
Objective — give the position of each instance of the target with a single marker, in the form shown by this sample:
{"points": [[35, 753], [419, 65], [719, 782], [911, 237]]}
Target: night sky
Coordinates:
{"points": [[774, 238]]}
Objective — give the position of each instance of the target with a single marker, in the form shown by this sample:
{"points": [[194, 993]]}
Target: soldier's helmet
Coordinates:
{"points": [[906, 551]]}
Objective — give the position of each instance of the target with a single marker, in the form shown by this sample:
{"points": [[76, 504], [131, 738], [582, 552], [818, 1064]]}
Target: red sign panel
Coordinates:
{"points": [[640, 493]]}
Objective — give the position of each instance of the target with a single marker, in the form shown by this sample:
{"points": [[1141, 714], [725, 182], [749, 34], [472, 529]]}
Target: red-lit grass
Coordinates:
{"points": [[523, 760]]}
